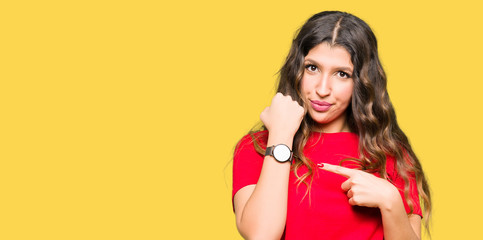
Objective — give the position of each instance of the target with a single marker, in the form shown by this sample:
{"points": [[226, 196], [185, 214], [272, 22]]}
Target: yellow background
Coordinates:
{"points": [[119, 117]]}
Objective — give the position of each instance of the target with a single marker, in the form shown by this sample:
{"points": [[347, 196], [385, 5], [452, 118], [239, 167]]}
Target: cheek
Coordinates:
{"points": [[345, 92], [349, 91], [306, 86]]}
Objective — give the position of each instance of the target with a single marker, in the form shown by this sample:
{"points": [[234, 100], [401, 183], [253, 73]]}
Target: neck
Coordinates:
{"points": [[337, 125]]}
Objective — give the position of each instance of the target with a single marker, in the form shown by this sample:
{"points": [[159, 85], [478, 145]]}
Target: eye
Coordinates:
{"points": [[343, 74], [311, 67]]}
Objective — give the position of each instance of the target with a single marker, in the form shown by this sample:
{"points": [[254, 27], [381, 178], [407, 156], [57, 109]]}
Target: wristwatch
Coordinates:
{"points": [[280, 152]]}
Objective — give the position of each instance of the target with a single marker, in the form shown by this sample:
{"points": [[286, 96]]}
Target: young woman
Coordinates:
{"points": [[330, 161]]}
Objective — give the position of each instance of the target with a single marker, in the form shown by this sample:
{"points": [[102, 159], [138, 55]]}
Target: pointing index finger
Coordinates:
{"points": [[343, 171]]}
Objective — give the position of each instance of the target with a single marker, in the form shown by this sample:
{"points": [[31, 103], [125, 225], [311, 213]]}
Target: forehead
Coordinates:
{"points": [[330, 55]]}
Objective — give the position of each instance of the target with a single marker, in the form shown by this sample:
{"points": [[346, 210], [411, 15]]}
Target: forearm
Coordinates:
{"points": [[265, 212], [396, 222]]}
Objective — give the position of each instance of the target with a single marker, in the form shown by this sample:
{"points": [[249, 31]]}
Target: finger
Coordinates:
{"points": [[350, 194], [263, 113], [352, 201], [346, 185], [278, 95], [343, 171]]}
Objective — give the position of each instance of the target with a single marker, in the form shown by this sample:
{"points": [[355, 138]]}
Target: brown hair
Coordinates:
{"points": [[370, 113]]}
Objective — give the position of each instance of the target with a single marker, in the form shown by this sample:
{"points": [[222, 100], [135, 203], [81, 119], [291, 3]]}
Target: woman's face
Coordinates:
{"points": [[327, 86]]}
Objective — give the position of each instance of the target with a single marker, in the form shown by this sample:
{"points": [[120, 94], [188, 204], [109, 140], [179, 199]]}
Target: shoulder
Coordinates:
{"points": [[406, 184], [249, 141], [395, 171]]}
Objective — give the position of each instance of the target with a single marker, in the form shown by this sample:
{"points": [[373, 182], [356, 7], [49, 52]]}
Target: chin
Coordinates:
{"points": [[323, 120], [320, 120]]}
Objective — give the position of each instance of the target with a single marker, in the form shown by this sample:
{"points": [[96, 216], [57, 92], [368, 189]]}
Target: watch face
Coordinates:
{"points": [[281, 153]]}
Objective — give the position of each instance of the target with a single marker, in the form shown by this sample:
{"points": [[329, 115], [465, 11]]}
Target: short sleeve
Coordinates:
{"points": [[398, 181], [247, 163]]}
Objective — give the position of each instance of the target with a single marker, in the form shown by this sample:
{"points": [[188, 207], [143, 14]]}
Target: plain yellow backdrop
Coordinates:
{"points": [[119, 117]]}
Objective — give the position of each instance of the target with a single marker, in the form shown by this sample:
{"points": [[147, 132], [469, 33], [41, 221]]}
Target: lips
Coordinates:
{"points": [[320, 106]]}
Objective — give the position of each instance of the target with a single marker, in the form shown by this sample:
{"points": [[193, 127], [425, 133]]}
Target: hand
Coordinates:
{"points": [[365, 189], [283, 116]]}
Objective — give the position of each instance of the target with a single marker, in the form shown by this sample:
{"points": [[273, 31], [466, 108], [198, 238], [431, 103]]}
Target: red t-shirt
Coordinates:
{"points": [[326, 213]]}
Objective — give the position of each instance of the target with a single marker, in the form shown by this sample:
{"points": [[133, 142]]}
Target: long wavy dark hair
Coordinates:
{"points": [[370, 113]]}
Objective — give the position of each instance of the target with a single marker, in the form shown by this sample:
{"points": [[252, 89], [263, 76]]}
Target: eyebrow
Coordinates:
{"points": [[343, 68]]}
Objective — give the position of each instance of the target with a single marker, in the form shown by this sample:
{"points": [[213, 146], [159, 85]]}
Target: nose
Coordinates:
{"points": [[323, 87]]}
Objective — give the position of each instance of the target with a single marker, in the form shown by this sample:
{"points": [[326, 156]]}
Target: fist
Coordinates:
{"points": [[365, 189], [283, 116]]}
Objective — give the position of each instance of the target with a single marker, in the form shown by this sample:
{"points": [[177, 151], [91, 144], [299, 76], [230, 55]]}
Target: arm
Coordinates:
{"points": [[367, 190], [261, 209], [397, 224]]}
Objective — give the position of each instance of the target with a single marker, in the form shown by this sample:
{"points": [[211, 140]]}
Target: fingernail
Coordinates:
{"points": [[321, 165]]}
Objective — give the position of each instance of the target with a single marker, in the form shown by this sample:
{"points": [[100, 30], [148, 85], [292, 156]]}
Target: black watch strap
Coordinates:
{"points": [[270, 152]]}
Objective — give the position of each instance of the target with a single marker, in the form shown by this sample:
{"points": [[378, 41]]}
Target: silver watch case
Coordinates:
{"points": [[280, 152]]}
